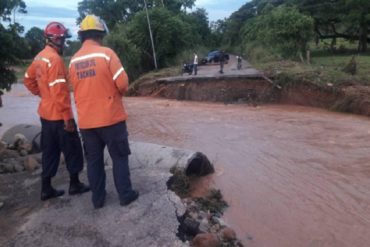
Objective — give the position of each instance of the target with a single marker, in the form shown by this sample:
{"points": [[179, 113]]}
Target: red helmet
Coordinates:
{"points": [[56, 33]]}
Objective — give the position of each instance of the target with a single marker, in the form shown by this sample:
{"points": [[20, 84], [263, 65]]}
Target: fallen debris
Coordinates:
{"points": [[15, 156], [201, 224]]}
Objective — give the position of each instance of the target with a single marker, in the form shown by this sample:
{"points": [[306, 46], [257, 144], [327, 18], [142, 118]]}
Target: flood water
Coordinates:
{"points": [[293, 176]]}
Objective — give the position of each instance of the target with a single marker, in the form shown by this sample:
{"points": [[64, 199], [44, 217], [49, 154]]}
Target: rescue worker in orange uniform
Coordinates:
{"points": [[46, 78], [99, 82]]}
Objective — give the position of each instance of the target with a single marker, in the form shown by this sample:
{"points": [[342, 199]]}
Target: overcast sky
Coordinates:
{"points": [[40, 12]]}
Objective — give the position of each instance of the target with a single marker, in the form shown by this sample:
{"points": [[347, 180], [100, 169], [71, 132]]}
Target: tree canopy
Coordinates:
{"points": [[35, 39], [119, 11], [332, 19], [174, 30], [9, 40]]}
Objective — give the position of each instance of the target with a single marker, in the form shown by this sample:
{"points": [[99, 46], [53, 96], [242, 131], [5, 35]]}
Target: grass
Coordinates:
{"points": [[151, 76], [167, 72], [179, 182], [326, 65], [324, 69]]}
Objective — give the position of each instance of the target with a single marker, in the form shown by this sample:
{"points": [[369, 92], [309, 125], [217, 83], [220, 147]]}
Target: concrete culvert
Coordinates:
{"points": [[193, 163], [198, 165], [31, 132], [163, 157]]}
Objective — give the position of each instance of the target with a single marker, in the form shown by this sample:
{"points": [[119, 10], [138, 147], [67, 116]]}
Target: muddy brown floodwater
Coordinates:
{"points": [[293, 176]]}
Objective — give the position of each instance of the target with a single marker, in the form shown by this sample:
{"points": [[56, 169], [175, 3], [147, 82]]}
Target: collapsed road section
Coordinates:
{"points": [[256, 88]]}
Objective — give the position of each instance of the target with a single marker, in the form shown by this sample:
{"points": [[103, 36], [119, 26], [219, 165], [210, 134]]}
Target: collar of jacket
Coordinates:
{"points": [[90, 42], [50, 48]]}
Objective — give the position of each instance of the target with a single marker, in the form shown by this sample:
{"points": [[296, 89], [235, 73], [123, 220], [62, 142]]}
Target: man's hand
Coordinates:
{"points": [[69, 125]]}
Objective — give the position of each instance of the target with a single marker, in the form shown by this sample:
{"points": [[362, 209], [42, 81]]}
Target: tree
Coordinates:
{"points": [[236, 21], [9, 7], [218, 29], [358, 20], [111, 11], [35, 39], [348, 19], [128, 52], [200, 21], [8, 41], [72, 47], [175, 5], [171, 35], [7, 76], [119, 11], [282, 29]]}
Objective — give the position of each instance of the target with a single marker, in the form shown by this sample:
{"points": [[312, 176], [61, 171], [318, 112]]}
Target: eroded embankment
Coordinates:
{"points": [[222, 89], [259, 90]]}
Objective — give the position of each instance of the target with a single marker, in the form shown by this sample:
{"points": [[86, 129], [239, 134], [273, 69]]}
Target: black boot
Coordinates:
{"points": [[132, 196], [47, 191], [99, 203], [76, 187]]}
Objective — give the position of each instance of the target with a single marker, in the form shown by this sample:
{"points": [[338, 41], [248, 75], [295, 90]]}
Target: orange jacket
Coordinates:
{"points": [[99, 82], [46, 77]]}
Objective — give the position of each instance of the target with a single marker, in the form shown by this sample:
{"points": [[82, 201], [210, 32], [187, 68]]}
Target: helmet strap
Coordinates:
{"points": [[58, 47]]}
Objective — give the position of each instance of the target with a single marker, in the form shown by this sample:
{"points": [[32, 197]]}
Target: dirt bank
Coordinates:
{"points": [[257, 90], [222, 89]]}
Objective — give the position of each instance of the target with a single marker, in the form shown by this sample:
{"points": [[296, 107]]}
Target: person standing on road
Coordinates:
{"points": [[1, 101], [99, 82], [239, 62], [46, 78], [222, 61], [195, 64]]}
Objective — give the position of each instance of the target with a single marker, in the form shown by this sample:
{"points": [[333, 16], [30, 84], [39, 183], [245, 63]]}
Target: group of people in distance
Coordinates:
{"points": [[221, 59]]}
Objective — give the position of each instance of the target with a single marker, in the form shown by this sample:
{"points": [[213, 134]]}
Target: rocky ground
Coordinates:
{"points": [[15, 156]]}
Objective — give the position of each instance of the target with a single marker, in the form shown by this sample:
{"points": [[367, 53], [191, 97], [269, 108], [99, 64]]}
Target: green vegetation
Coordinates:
{"points": [[282, 30], [330, 20], [212, 202], [276, 35], [324, 69], [11, 43], [36, 41], [179, 182]]}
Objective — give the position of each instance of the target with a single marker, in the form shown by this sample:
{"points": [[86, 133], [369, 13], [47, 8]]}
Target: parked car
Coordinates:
{"points": [[214, 57]]}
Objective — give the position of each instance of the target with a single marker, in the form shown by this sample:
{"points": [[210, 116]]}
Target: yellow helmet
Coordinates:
{"points": [[93, 22]]}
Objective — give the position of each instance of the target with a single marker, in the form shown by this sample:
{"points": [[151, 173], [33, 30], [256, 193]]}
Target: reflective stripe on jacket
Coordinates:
{"points": [[99, 81], [46, 77]]}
